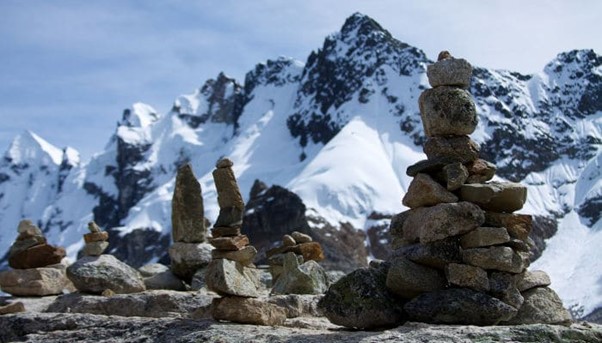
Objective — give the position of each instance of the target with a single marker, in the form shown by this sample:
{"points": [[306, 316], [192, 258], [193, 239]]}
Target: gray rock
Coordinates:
{"points": [[227, 277], [484, 236], [495, 196], [228, 196], [95, 248], [152, 269], [34, 281], [447, 111], [297, 305], [27, 228], [94, 274], [449, 72], [198, 281], [244, 255], [165, 280], [531, 279], [424, 191], [518, 225], [408, 279], [466, 276], [429, 224], [288, 241], [155, 303], [187, 211], [436, 254], [248, 311], [430, 167], [187, 258], [456, 148], [542, 305], [301, 237], [503, 287], [458, 306], [480, 171], [307, 278], [362, 300], [496, 258], [455, 175]]}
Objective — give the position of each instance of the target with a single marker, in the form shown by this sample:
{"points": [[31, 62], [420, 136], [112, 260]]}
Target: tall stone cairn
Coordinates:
{"points": [[460, 253], [231, 272]]}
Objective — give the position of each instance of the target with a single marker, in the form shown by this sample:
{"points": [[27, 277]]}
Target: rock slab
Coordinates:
{"points": [[95, 274]]}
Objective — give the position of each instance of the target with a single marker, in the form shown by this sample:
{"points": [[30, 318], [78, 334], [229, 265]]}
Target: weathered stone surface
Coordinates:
{"points": [[447, 111], [15, 307], [37, 256], [455, 175], [301, 237], [503, 287], [151, 269], [480, 171], [427, 166], [362, 300], [94, 274], [310, 251], [531, 279], [436, 254], [95, 248], [542, 305], [408, 279], [154, 303], [424, 191], [457, 148], [495, 196], [25, 242], [227, 277], [187, 212], [484, 236], [464, 275], [198, 281], [224, 163], [96, 237], [288, 241], [225, 231], [228, 196], [244, 255], [518, 225], [496, 258], [230, 216], [449, 72], [27, 228], [429, 224], [34, 281], [297, 305], [230, 243], [307, 278], [187, 258], [165, 280], [458, 306], [248, 311]]}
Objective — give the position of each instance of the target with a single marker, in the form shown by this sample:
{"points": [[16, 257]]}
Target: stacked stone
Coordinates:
{"points": [[96, 240], [294, 266], [231, 272], [189, 252], [38, 270], [461, 253]]}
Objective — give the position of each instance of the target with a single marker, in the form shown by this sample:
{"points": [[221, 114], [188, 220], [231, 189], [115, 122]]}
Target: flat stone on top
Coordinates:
{"points": [[495, 196]]}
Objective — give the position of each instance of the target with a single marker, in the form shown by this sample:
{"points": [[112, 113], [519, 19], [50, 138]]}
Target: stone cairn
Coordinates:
{"points": [[38, 270], [96, 240], [460, 254], [189, 252], [294, 266], [231, 273]]}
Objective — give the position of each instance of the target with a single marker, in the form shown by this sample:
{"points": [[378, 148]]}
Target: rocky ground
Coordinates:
{"points": [[177, 323]]}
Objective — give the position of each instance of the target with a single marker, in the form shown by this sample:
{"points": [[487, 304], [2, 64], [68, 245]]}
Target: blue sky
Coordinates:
{"points": [[69, 68]]}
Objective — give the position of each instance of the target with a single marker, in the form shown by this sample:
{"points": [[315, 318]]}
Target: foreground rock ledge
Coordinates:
{"points": [[66, 327]]}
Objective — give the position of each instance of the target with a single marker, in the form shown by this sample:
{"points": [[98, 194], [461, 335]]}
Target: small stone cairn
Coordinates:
{"points": [[189, 252], [96, 240], [38, 270], [460, 254], [231, 273], [294, 266]]}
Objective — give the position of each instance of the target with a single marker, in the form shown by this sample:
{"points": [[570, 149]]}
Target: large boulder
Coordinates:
{"points": [[187, 258], [34, 281], [248, 311], [542, 305], [95, 274], [424, 191], [187, 212], [458, 306], [227, 277], [408, 279], [447, 111], [307, 278], [361, 300], [495, 196]]}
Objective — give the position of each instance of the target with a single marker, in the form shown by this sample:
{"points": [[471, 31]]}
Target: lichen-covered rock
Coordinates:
{"points": [[227, 277], [495, 196], [94, 274], [248, 311], [467, 276], [542, 305], [408, 279], [424, 191], [187, 211], [484, 236], [362, 300], [307, 278], [34, 281], [456, 148], [458, 306], [497, 258], [187, 258], [449, 72], [447, 111], [531, 279]]}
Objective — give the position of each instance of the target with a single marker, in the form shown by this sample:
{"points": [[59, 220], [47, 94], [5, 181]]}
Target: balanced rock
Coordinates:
{"points": [[100, 236], [447, 111], [94, 274], [484, 236], [361, 300], [95, 248], [187, 212], [495, 196], [496, 258], [228, 195], [34, 281], [449, 72], [408, 279], [187, 258], [480, 171], [532, 279], [307, 278], [455, 175], [459, 306], [541, 305], [227, 277], [457, 148], [431, 166], [248, 311], [424, 191], [36, 256], [467, 276]]}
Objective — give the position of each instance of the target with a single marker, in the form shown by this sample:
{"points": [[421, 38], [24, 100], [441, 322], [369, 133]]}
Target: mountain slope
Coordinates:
{"points": [[339, 131]]}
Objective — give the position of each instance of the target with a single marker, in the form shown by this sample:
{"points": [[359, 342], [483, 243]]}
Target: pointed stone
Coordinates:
{"points": [[495, 196], [187, 212], [424, 191], [228, 195]]}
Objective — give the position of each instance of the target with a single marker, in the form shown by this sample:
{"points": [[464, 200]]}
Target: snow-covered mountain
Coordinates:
{"points": [[339, 131]]}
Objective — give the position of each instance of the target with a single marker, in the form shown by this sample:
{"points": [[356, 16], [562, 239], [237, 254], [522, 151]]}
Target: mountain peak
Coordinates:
{"points": [[139, 115], [28, 146], [361, 24]]}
